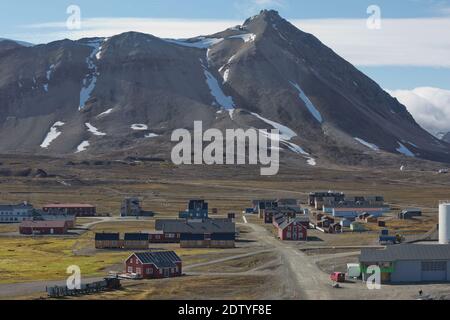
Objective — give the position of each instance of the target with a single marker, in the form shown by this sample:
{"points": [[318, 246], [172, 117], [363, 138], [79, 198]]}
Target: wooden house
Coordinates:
{"points": [[154, 265], [108, 241], [136, 241]]}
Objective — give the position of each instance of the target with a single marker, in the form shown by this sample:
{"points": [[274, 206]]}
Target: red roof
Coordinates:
{"points": [[42, 224], [69, 205]]}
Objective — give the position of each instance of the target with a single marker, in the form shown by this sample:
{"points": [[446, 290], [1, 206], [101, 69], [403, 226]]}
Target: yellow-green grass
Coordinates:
{"points": [[7, 228], [28, 260], [37, 259]]}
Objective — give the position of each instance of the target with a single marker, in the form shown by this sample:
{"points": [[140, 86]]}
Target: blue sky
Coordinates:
{"points": [[392, 56], [18, 12]]}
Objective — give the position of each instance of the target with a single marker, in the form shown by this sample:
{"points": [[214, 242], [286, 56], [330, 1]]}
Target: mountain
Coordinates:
{"points": [[126, 94], [4, 41], [446, 137]]}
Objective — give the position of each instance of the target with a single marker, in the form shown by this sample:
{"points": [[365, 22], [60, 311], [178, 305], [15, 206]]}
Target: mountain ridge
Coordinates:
{"points": [[103, 89]]}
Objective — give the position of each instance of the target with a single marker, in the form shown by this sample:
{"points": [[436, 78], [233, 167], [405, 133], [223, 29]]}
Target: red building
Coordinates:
{"points": [[294, 229], [77, 209], [154, 265], [43, 227], [161, 237]]}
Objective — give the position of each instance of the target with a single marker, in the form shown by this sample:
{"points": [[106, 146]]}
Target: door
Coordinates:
{"points": [[294, 234], [166, 273]]}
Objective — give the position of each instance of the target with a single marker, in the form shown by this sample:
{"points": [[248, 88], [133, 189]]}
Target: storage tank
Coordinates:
{"points": [[444, 222]]}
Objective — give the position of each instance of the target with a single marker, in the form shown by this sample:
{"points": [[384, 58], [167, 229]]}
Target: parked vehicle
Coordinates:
{"points": [[130, 276], [353, 270], [338, 277]]}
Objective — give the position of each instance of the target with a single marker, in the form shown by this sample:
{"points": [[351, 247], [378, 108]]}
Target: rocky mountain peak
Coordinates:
{"points": [[134, 89], [266, 18]]}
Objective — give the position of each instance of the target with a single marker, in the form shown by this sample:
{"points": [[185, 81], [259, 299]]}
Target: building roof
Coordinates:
{"points": [[412, 210], [43, 224], [284, 210], [163, 259], [51, 217], [107, 236], [8, 207], [287, 222], [202, 227], [286, 202], [68, 205], [406, 252], [326, 193], [136, 237], [361, 209]]}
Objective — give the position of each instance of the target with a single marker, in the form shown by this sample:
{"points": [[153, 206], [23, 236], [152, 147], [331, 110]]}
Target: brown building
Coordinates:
{"points": [[108, 241], [136, 241], [43, 227]]}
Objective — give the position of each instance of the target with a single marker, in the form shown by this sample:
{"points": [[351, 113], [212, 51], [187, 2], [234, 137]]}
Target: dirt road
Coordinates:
{"points": [[310, 282]]}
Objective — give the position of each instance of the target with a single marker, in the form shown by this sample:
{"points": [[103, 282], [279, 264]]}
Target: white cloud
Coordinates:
{"points": [[107, 27], [429, 106], [400, 42]]}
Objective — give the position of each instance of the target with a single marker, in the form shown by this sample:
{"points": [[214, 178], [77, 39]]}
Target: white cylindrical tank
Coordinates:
{"points": [[444, 222]]}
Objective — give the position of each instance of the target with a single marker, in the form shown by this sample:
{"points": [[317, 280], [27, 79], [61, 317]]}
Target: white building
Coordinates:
{"points": [[15, 213]]}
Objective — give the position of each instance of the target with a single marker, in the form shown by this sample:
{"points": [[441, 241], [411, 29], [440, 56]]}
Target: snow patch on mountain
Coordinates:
{"points": [[83, 146], [201, 43], [285, 132], [312, 109], [226, 75], [105, 113], [90, 80], [99, 53], [94, 130], [285, 135], [216, 91], [248, 37], [49, 72], [139, 127], [52, 134], [404, 150], [312, 162], [368, 145]]}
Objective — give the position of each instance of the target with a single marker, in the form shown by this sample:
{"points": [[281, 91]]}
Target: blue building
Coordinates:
{"points": [[197, 209], [11, 213]]}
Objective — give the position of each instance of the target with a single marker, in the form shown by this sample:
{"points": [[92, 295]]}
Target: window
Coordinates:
{"points": [[149, 271], [130, 269], [430, 266]]}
